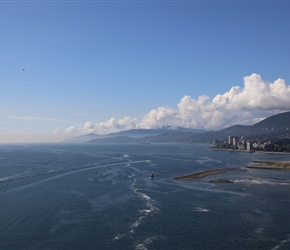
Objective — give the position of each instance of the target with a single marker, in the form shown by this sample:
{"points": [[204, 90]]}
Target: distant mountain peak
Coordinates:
{"points": [[272, 126]]}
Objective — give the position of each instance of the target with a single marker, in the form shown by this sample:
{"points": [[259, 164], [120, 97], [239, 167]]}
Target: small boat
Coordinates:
{"points": [[152, 175]]}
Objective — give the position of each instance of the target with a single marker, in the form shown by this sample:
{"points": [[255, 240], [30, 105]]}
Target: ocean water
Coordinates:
{"points": [[89, 196]]}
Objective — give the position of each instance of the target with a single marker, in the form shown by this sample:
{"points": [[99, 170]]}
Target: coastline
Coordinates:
{"points": [[250, 151], [203, 174]]}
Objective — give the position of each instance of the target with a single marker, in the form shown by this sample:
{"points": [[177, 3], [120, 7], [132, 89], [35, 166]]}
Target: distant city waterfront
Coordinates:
{"points": [[277, 144]]}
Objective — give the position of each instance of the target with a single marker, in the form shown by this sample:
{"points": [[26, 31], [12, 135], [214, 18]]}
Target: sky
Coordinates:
{"points": [[69, 68]]}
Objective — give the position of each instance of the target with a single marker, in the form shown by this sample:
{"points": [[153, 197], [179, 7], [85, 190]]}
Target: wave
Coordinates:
{"points": [[261, 182], [119, 236], [61, 173], [148, 210], [143, 244], [207, 187], [199, 209], [171, 158], [205, 159], [5, 178], [282, 243]]}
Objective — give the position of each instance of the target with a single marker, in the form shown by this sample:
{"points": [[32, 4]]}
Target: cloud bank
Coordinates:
{"points": [[254, 101]]}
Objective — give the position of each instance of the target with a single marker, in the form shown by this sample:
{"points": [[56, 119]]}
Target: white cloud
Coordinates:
{"points": [[240, 105], [71, 130], [159, 117], [57, 131], [256, 94]]}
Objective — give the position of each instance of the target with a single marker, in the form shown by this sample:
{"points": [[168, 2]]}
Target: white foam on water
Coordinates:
{"points": [[208, 188], [131, 175], [205, 159], [282, 243], [261, 182], [144, 196], [119, 236], [199, 209], [73, 171], [140, 246], [145, 211], [136, 224], [171, 158], [4, 178], [150, 208], [145, 243]]}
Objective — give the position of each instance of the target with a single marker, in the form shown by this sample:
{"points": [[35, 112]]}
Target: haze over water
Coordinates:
{"points": [[60, 196]]}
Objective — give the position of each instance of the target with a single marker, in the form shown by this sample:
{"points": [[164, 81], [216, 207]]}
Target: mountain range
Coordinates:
{"points": [[273, 126], [132, 135]]}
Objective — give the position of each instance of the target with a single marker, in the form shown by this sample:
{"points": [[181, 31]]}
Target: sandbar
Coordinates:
{"points": [[221, 181], [202, 174], [269, 164]]}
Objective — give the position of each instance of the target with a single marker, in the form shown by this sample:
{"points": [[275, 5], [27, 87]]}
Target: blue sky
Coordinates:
{"points": [[87, 65]]}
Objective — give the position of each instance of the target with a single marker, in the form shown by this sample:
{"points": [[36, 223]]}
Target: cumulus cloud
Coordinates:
{"points": [[256, 94], [257, 99], [70, 130]]}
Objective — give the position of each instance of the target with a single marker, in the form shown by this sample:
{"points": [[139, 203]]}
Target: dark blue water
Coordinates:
{"points": [[55, 196]]}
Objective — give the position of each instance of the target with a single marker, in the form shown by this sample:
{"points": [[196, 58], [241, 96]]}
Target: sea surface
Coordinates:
{"points": [[91, 196]]}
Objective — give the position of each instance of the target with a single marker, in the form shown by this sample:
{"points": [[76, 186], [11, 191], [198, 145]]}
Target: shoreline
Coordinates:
{"points": [[250, 151], [203, 174]]}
